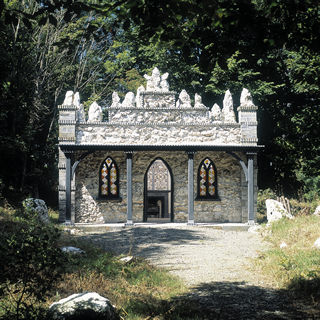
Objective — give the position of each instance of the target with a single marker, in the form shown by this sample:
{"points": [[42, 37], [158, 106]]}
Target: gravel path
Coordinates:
{"points": [[213, 263]]}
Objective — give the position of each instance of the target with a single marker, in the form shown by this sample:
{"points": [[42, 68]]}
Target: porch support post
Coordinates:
{"points": [[68, 187], [250, 157], [129, 189], [190, 189]]}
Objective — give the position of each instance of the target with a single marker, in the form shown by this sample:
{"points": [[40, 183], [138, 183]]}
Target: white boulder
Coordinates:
{"points": [[37, 207], [276, 210], [87, 305]]}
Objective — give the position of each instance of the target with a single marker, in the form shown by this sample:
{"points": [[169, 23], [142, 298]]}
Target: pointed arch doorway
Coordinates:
{"points": [[158, 192]]}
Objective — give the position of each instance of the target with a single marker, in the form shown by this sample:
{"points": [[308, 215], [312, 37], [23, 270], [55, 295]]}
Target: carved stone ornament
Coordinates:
{"points": [[246, 98], [68, 100], [95, 112], [227, 110], [76, 99], [215, 113], [138, 96], [156, 82], [198, 102], [129, 100], [184, 100], [115, 100]]}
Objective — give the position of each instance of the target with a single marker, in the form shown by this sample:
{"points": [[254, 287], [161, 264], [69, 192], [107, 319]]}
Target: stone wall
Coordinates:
{"points": [[162, 134], [230, 181]]}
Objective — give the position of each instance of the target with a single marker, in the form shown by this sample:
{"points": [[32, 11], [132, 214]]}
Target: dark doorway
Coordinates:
{"points": [[158, 199]]}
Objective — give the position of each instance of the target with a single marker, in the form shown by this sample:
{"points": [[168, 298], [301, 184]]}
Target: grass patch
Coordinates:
{"points": [[297, 266], [137, 289]]}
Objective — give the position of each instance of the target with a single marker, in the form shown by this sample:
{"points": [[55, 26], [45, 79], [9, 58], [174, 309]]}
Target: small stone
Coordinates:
{"points": [[283, 245], [126, 259], [317, 211], [317, 243], [72, 250]]}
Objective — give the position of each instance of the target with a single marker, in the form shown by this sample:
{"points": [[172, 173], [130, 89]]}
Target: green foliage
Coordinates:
{"points": [[31, 264]]}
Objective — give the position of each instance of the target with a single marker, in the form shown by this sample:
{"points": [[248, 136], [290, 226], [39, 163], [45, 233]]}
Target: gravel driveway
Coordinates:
{"points": [[213, 263]]}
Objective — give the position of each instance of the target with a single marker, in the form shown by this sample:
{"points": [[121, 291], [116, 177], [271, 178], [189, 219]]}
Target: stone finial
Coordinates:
{"points": [[95, 112], [68, 100], [246, 98], [227, 110], [215, 113], [115, 100], [164, 85], [76, 99], [139, 90], [81, 115], [156, 82], [184, 100], [129, 100], [198, 102]]}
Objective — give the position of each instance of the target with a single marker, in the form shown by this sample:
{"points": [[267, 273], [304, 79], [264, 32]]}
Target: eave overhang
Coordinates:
{"points": [[188, 148]]}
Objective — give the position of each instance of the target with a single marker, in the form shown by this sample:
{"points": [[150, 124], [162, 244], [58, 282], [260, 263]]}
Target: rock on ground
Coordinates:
{"points": [[37, 207], [87, 305]]}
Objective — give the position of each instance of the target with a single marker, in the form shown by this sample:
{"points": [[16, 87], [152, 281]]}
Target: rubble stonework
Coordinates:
{"points": [[156, 117]]}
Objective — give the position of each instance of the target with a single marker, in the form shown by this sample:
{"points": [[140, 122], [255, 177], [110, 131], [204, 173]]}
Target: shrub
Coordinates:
{"points": [[31, 261]]}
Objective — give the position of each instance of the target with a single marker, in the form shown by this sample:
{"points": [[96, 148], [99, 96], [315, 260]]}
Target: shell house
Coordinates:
{"points": [[157, 157]]}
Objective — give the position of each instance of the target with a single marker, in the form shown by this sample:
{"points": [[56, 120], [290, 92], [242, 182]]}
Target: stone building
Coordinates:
{"points": [[157, 157]]}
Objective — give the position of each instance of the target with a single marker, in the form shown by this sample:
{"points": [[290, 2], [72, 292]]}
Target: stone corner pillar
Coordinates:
{"points": [[129, 188], [251, 197], [67, 216], [190, 188]]}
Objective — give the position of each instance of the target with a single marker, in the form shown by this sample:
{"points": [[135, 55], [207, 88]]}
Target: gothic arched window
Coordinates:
{"points": [[207, 180], [109, 179]]}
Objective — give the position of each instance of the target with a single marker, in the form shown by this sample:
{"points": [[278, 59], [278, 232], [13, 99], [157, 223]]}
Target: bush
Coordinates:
{"points": [[31, 262], [263, 195]]}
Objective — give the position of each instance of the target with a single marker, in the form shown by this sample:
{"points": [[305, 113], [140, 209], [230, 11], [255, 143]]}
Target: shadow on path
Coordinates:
{"points": [[142, 241], [225, 301]]}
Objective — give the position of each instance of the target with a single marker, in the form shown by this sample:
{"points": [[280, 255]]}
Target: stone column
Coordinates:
{"points": [[68, 187], [250, 157], [190, 189], [129, 188]]}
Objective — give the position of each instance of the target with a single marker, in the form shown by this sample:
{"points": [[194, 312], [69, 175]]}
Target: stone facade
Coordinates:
{"points": [[157, 123]]}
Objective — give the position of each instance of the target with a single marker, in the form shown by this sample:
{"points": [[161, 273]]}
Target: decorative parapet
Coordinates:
{"points": [[156, 116]]}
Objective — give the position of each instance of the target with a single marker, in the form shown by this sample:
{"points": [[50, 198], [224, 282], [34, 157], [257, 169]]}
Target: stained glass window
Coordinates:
{"points": [[109, 179], [207, 180]]}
